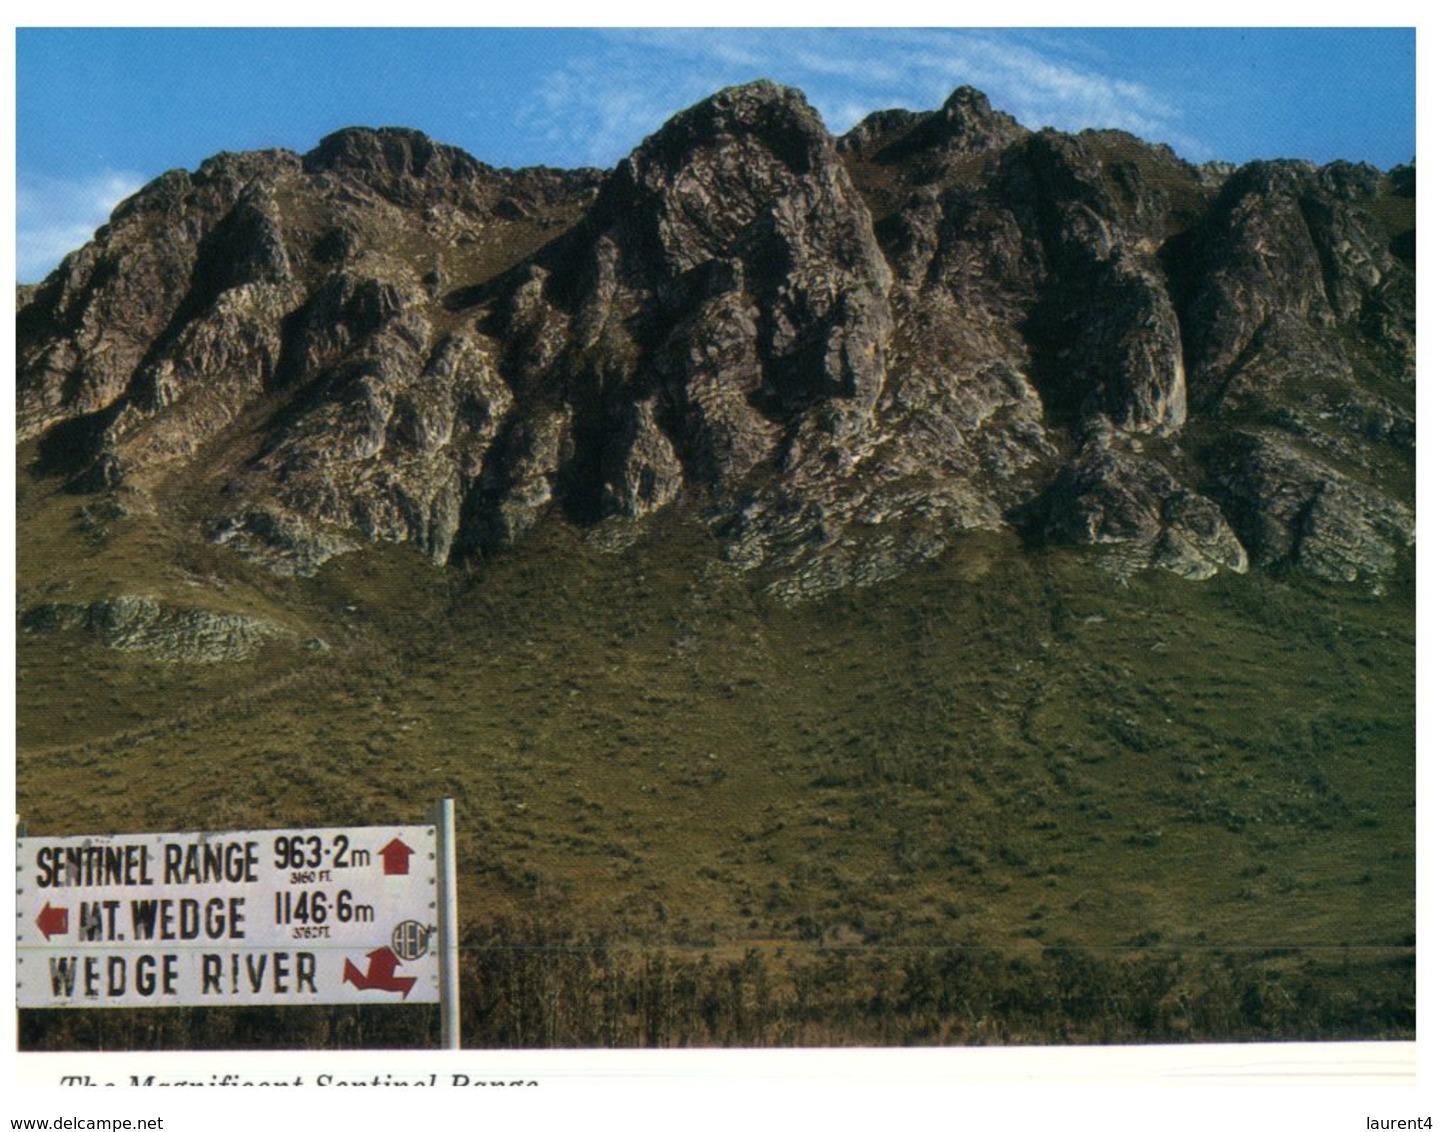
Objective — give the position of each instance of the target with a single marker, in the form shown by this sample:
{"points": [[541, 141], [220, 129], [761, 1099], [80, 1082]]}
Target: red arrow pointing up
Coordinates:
{"points": [[380, 973], [396, 857], [53, 921]]}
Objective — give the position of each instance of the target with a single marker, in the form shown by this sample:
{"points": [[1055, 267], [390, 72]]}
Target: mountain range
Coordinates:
{"points": [[846, 350]]}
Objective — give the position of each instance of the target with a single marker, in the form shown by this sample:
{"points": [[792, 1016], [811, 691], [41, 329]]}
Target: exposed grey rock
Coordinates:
{"points": [[282, 542], [856, 563], [878, 128], [197, 384], [1285, 259], [1214, 173], [519, 482], [966, 125], [1292, 508], [393, 435], [728, 271], [1124, 352], [649, 475], [1104, 329], [1130, 502], [135, 623], [404, 166], [167, 253]]}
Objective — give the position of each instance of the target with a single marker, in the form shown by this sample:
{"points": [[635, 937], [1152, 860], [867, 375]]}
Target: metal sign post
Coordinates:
{"points": [[448, 944]]}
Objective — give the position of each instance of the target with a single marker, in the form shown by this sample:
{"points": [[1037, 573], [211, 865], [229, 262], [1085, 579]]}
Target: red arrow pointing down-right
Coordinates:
{"points": [[380, 973]]}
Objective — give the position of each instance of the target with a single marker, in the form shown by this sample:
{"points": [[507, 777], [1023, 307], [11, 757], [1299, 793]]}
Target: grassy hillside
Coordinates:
{"points": [[1004, 753]]}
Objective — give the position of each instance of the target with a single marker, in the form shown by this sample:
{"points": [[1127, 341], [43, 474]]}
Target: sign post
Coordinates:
{"points": [[253, 917], [449, 943]]}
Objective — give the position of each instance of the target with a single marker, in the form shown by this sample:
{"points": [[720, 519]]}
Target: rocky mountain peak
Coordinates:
{"points": [[716, 168], [971, 122], [404, 165], [930, 144], [778, 116], [389, 151], [726, 284]]}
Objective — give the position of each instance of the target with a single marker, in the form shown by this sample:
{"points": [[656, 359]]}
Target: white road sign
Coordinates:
{"points": [[253, 917]]}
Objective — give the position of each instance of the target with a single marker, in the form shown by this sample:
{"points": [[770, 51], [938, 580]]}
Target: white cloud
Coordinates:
{"points": [[56, 215], [595, 109], [605, 103]]}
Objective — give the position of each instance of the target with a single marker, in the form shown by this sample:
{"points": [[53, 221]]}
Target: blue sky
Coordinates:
{"points": [[101, 111]]}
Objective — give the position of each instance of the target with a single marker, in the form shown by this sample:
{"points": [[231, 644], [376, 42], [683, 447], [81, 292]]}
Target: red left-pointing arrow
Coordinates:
{"points": [[53, 921]]}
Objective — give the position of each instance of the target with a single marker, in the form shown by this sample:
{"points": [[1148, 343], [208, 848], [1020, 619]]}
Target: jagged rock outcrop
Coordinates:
{"points": [[840, 352], [137, 623], [282, 542], [1107, 339], [1287, 261], [928, 144], [1115, 498], [1291, 508], [728, 272]]}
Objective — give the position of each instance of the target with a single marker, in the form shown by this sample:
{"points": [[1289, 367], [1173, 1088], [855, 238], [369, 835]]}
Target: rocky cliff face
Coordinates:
{"points": [[841, 352]]}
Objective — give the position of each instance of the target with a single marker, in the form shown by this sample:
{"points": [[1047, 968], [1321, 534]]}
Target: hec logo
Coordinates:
{"points": [[411, 939]]}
